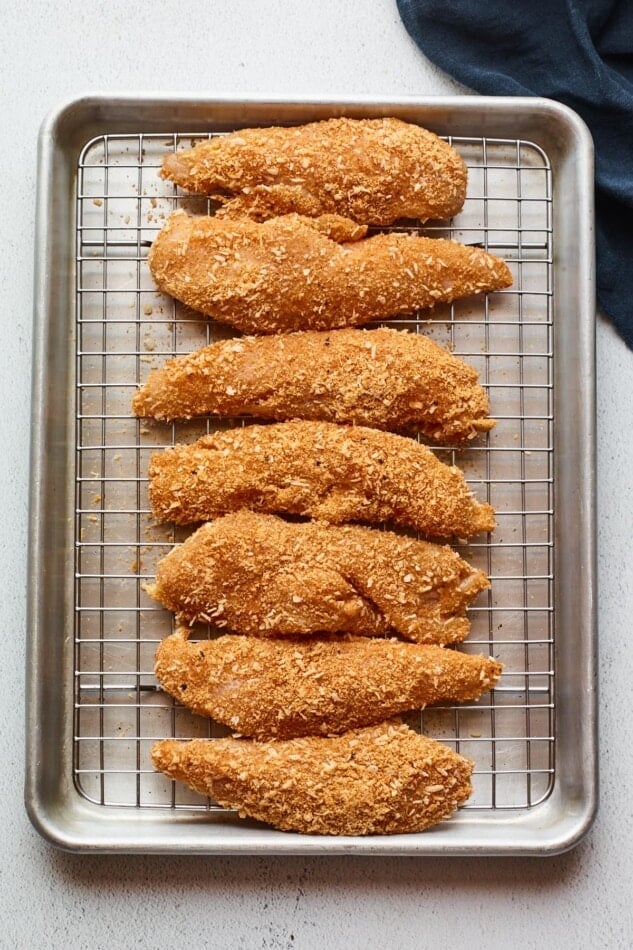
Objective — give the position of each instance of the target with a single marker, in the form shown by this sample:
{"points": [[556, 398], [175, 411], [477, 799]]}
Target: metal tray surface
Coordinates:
{"points": [[93, 706]]}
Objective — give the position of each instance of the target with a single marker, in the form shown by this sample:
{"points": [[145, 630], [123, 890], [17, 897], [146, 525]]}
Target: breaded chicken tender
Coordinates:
{"points": [[385, 779], [259, 575], [386, 379], [299, 687], [286, 275], [317, 469], [371, 170]]}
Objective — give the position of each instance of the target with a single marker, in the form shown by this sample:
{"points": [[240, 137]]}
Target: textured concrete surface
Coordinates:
{"points": [[50, 52]]}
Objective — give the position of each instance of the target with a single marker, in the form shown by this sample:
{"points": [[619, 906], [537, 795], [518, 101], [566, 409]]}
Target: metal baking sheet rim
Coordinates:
{"points": [[54, 806]]}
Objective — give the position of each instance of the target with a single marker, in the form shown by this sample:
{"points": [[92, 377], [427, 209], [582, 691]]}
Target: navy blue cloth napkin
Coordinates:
{"points": [[579, 52]]}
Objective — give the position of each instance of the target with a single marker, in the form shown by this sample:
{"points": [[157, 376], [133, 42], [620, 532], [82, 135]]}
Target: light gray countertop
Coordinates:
{"points": [[56, 51]]}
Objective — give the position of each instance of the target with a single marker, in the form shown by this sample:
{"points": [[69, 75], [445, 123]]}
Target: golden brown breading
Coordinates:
{"points": [[385, 779], [286, 275], [259, 575], [317, 469], [371, 170], [300, 687], [386, 379]]}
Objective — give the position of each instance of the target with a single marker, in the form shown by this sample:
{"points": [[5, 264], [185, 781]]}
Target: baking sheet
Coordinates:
{"points": [[122, 328]]}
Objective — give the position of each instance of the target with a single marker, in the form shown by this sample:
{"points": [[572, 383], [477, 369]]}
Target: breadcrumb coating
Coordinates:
{"points": [[299, 687], [286, 275], [371, 170], [317, 469], [259, 575], [384, 378], [384, 779]]}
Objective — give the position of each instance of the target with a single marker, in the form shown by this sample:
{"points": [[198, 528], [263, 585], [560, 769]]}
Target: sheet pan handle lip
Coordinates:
{"points": [[583, 439], [36, 509], [73, 110], [66, 830]]}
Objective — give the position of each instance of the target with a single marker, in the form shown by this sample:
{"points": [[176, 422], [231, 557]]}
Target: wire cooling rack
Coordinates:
{"points": [[125, 328]]}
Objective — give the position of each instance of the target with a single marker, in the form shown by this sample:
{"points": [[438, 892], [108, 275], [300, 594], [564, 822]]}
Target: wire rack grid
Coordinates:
{"points": [[125, 327]]}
